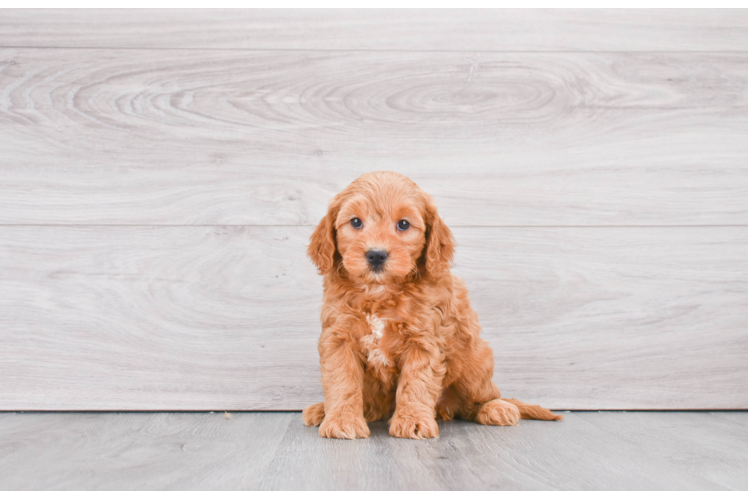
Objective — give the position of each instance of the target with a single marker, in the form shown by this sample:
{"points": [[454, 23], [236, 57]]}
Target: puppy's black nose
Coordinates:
{"points": [[376, 258]]}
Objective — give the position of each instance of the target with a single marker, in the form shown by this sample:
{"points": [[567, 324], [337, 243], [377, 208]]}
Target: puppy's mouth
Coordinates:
{"points": [[374, 275], [378, 269], [377, 274]]}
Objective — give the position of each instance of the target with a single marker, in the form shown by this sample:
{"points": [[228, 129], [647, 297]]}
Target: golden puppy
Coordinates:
{"points": [[398, 331]]}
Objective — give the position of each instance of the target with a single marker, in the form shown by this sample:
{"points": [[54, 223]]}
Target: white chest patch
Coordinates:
{"points": [[377, 325], [376, 356]]}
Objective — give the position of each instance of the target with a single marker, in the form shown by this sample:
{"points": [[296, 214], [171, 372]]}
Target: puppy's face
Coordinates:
{"points": [[380, 229], [380, 235]]}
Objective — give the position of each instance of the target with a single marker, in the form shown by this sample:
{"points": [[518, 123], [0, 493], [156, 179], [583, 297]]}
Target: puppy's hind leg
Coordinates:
{"points": [[510, 411], [483, 402], [486, 408], [497, 412], [314, 415], [480, 396]]}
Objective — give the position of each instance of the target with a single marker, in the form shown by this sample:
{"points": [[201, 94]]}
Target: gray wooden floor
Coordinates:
{"points": [[588, 450]]}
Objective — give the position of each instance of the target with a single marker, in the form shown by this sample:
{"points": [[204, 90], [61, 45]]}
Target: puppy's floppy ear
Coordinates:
{"points": [[440, 244], [323, 248]]}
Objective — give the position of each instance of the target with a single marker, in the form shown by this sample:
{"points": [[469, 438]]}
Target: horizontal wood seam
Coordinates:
{"points": [[440, 51]]}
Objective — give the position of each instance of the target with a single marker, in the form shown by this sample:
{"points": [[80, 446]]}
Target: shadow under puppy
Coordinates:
{"points": [[398, 332]]}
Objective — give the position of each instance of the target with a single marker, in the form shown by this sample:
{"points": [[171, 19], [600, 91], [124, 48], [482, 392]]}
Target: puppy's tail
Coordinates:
{"points": [[533, 412]]}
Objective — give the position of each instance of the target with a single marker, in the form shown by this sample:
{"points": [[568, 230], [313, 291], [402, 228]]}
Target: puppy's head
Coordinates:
{"points": [[382, 228]]}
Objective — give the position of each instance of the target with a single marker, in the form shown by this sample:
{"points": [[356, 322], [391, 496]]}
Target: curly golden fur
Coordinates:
{"points": [[398, 332]]}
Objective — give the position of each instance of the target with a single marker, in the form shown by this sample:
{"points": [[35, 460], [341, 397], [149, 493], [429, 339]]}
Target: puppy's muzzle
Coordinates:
{"points": [[376, 259]]}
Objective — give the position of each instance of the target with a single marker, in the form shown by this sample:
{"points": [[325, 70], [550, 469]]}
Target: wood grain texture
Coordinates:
{"points": [[268, 137], [382, 29], [272, 451], [103, 318], [676, 438], [178, 451], [587, 451], [160, 172]]}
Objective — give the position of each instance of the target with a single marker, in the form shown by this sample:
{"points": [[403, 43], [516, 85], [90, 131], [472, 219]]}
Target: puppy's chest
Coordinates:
{"points": [[379, 344]]}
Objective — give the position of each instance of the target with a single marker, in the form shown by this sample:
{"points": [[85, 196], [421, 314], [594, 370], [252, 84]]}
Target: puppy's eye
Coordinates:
{"points": [[356, 223], [403, 225]]}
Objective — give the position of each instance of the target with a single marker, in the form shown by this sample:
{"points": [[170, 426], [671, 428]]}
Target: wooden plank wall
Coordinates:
{"points": [[161, 172]]}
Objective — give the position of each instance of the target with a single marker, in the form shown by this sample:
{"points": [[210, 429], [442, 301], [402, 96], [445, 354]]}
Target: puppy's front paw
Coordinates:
{"points": [[498, 412], [421, 427], [344, 427]]}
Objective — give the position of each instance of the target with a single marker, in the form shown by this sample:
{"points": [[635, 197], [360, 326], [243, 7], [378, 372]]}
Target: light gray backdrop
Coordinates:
{"points": [[161, 172]]}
